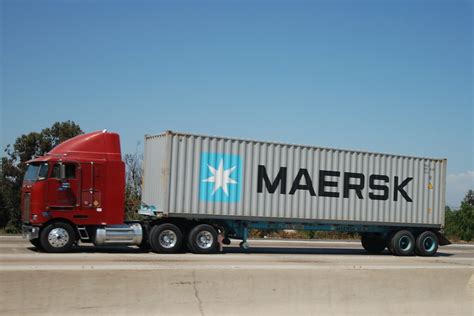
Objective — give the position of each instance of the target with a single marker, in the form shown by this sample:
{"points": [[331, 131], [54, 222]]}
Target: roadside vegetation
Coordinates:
{"points": [[459, 223]]}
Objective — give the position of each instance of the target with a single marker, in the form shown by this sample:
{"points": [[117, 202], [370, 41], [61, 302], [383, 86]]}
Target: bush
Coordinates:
{"points": [[460, 223], [12, 228]]}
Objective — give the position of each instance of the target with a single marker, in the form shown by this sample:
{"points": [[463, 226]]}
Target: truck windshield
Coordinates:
{"points": [[36, 172]]}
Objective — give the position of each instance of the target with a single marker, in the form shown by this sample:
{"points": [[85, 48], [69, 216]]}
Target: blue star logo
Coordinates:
{"points": [[221, 177]]}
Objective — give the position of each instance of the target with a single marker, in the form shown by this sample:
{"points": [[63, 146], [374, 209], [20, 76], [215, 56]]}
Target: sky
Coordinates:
{"points": [[384, 76]]}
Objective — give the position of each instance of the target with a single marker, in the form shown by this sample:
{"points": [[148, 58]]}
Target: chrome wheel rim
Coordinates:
{"points": [[167, 239], [404, 243], [204, 240], [58, 237]]}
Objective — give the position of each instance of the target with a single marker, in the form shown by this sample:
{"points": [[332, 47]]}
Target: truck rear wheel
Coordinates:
{"points": [[166, 238], [373, 243], [426, 244], [57, 237], [203, 239], [402, 243]]}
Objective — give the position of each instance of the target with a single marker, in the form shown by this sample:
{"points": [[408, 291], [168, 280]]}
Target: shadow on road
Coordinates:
{"points": [[314, 251], [238, 250]]}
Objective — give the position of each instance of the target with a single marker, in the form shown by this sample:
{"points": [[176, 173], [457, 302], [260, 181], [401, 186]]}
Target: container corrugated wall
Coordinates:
{"points": [[179, 180]]}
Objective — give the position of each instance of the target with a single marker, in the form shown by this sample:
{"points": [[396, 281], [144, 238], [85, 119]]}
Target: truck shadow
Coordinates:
{"points": [[313, 251], [238, 250]]}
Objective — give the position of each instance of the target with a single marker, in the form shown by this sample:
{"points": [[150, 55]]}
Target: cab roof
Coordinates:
{"points": [[99, 145]]}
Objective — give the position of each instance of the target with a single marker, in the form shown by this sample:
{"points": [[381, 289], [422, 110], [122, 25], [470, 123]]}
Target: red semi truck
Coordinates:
{"points": [[199, 187]]}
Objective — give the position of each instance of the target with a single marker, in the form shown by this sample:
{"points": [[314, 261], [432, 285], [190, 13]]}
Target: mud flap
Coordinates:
{"points": [[442, 240]]}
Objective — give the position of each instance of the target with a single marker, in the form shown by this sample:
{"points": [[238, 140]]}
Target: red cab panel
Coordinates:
{"points": [[92, 190]]}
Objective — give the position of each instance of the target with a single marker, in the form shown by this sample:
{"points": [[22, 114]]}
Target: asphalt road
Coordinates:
{"points": [[272, 278]]}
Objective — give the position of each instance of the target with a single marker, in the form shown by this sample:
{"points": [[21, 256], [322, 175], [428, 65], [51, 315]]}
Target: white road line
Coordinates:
{"points": [[184, 258], [77, 267]]}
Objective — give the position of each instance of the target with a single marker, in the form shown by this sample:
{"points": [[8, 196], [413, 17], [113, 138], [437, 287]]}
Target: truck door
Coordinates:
{"points": [[92, 184], [63, 193]]}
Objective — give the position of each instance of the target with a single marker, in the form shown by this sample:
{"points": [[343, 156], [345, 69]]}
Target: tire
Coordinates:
{"points": [[165, 238], [402, 243], [426, 244], [37, 243], [389, 244], [145, 244], [373, 243], [202, 239], [57, 237]]}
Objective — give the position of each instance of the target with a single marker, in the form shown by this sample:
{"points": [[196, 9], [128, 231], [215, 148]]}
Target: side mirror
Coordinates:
{"points": [[62, 172]]}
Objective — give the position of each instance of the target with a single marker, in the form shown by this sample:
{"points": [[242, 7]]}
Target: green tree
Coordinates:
{"points": [[460, 223], [13, 166], [469, 198]]}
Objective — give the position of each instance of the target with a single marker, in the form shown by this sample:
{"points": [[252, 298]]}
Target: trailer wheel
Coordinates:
{"points": [[203, 239], [373, 243], [165, 238], [57, 237], [426, 244], [402, 243]]}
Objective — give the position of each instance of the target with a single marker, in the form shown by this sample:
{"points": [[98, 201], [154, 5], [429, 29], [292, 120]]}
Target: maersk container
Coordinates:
{"points": [[195, 177]]}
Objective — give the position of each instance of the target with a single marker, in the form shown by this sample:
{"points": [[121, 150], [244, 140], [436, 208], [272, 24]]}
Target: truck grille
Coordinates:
{"points": [[26, 207]]}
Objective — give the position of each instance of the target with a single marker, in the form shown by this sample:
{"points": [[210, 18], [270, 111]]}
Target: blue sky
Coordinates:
{"points": [[386, 76]]}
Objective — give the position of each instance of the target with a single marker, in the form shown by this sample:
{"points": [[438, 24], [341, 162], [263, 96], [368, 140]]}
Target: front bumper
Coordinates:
{"points": [[30, 232]]}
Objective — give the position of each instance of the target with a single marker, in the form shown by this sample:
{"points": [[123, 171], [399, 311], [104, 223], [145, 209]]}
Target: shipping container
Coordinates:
{"points": [[195, 176]]}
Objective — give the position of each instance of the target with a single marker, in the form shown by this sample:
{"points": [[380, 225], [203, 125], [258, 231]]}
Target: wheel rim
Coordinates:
{"points": [[429, 244], [204, 240], [405, 243], [58, 237], [167, 239]]}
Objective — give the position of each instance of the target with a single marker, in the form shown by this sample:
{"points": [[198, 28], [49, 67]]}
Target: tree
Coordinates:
{"points": [[469, 198], [133, 186], [13, 166], [460, 223]]}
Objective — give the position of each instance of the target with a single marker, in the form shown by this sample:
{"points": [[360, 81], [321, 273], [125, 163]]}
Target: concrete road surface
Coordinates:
{"points": [[272, 278]]}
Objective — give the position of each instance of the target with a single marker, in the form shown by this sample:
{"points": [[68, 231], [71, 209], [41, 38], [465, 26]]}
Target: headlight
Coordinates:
{"points": [[34, 217]]}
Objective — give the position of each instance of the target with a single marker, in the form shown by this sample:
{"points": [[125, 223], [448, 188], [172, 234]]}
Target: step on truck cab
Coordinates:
{"points": [[200, 191]]}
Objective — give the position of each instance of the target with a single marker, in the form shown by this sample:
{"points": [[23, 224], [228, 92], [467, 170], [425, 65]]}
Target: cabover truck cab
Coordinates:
{"points": [[76, 192]]}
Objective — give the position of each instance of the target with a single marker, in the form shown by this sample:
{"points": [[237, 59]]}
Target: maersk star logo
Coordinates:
{"points": [[221, 177]]}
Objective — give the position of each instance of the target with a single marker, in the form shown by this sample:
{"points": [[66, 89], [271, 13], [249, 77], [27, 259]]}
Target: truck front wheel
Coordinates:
{"points": [[203, 239], [37, 243], [57, 237], [166, 238]]}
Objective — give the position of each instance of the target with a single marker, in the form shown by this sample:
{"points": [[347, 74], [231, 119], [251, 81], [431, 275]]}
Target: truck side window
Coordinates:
{"points": [[70, 171]]}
